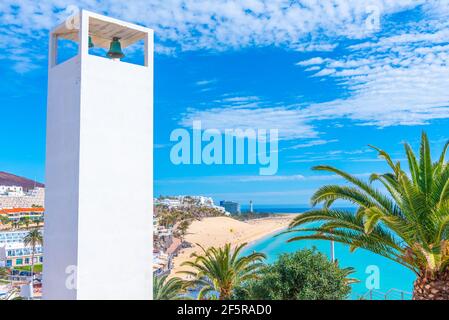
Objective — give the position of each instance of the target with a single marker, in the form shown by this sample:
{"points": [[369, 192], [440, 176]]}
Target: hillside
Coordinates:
{"points": [[8, 179]]}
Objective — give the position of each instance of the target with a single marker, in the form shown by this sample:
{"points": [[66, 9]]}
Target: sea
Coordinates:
{"points": [[379, 278]]}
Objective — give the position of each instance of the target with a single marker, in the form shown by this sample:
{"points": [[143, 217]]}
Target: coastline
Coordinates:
{"points": [[218, 231]]}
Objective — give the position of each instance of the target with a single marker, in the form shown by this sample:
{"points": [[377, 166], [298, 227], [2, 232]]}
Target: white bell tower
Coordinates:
{"points": [[99, 170]]}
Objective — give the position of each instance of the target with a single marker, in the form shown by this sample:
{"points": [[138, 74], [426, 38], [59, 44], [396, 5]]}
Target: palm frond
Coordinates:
{"points": [[221, 269], [408, 224]]}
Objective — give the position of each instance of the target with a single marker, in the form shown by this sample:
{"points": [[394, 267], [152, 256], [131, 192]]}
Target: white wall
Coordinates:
{"points": [[62, 172], [116, 150]]}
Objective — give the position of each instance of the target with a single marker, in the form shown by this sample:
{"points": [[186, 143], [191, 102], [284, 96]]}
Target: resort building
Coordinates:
{"points": [[166, 247], [18, 255], [12, 191], [8, 237], [13, 251], [171, 203], [16, 214], [161, 263], [188, 201], [231, 207]]}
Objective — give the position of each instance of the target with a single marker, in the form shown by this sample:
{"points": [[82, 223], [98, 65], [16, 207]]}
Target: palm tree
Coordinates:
{"points": [[348, 271], [219, 270], [38, 221], [4, 272], [182, 228], [26, 221], [164, 289], [4, 220], [409, 224], [15, 224], [33, 239]]}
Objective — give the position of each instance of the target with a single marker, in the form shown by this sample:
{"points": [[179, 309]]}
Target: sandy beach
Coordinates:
{"points": [[218, 231]]}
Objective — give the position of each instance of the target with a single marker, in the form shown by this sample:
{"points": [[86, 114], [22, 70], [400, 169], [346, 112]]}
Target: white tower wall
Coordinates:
{"points": [[99, 174]]}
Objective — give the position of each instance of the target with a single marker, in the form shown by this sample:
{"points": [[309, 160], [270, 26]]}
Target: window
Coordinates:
{"points": [[19, 262], [9, 263], [27, 260]]}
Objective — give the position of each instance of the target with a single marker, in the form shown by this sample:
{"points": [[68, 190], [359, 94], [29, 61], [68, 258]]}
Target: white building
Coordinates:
{"points": [[172, 203], [36, 192], [187, 201], [8, 237], [11, 191], [99, 135], [19, 199], [19, 255]]}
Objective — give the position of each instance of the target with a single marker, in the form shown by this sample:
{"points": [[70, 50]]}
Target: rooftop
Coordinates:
{"points": [[102, 30], [21, 210]]}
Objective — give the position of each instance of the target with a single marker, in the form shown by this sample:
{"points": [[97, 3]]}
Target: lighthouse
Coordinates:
{"points": [[99, 164]]}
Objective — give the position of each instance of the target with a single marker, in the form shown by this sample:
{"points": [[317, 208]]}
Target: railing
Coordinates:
{"points": [[392, 294], [11, 294]]}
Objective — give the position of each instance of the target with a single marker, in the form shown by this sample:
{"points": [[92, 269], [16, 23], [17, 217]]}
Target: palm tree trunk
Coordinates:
{"points": [[225, 294], [32, 268], [434, 287]]}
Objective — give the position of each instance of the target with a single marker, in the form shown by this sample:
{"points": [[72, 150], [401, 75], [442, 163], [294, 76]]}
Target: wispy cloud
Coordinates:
{"points": [[399, 78], [358, 155], [311, 62], [241, 99], [313, 143], [374, 160], [205, 82], [252, 179], [316, 47], [289, 123]]}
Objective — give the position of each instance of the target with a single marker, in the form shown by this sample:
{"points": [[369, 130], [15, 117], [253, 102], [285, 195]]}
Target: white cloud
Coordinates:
{"points": [[395, 77], [288, 121], [215, 25], [325, 72], [315, 68], [313, 143], [389, 83], [316, 47], [164, 50], [242, 99], [397, 80], [375, 160], [205, 82], [311, 62]]}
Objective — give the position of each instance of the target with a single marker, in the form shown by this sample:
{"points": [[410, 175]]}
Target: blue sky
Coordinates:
{"points": [[329, 75]]}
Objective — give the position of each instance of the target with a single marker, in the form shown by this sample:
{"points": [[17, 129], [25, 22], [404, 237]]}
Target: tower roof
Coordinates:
{"points": [[102, 29]]}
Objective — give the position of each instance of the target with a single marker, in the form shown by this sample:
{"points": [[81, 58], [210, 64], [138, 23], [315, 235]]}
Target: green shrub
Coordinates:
{"points": [[304, 275]]}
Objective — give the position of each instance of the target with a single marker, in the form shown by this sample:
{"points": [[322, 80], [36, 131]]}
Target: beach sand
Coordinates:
{"points": [[217, 231]]}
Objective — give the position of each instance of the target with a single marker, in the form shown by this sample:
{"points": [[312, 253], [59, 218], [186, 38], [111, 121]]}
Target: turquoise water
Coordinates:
{"points": [[391, 274]]}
